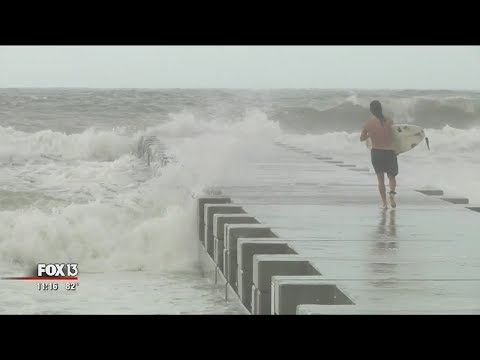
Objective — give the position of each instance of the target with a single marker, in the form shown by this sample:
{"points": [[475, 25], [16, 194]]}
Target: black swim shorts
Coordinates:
{"points": [[385, 161]]}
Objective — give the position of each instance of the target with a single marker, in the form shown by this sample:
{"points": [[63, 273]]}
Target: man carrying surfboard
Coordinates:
{"points": [[383, 157]]}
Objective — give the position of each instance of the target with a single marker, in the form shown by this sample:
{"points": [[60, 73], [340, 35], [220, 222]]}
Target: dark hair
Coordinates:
{"points": [[376, 109]]}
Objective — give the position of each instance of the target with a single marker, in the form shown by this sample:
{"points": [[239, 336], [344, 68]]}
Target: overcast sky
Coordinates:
{"points": [[369, 67]]}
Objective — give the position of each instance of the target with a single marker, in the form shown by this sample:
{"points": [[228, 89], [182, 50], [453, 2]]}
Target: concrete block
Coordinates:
{"points": [[225, 263], [220, 220], [261, 302], [290, 291], [456, 200], [233, 232], [218, 248], [225, 209], [255, 306], [267, 266], [210, 211], [201, 201], [246, 249], [430, 192]]}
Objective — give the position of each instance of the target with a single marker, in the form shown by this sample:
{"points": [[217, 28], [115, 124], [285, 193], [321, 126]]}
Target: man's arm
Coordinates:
{"points": [[364, 134]]}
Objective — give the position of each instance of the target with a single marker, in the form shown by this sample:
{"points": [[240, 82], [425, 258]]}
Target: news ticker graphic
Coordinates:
{"points": [[47, 274]]}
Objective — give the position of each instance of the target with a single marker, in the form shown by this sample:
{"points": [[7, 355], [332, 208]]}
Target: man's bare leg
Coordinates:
{"points": [[381, 189], [392, 182]]}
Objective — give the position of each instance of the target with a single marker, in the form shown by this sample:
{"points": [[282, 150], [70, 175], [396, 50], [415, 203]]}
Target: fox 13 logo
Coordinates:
{"points": [[57, 270]]}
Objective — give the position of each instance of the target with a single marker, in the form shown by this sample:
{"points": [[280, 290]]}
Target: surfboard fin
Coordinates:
{"points": [[428, 143]]}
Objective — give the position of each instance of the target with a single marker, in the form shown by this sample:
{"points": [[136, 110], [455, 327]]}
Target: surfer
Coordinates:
{"points": [[384, 160]]}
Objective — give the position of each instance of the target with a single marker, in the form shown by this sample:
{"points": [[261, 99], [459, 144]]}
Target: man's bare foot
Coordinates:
{"points": [[384, 206], [392, 199]]}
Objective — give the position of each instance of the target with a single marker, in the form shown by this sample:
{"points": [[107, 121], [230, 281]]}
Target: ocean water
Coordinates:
{"points": [[73, 187]]}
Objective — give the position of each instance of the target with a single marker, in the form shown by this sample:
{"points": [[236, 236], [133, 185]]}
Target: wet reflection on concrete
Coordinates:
{"points": [[387, 227], [385, 245]]}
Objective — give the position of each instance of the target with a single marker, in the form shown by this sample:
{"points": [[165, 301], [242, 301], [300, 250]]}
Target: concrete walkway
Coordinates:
{"points": [[329, 248]]}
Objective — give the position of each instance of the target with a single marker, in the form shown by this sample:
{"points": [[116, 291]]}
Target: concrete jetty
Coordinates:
{"points": [[308, 237]]}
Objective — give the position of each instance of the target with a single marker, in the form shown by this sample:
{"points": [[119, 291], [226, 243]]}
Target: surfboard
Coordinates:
{"points": [[404, 137]]}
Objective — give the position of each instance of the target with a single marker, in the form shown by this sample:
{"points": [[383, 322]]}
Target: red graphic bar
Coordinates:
{"points": [[41, 278]]}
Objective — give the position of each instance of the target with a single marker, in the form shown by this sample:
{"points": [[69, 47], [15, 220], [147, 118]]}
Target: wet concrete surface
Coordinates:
{"points": [[424, 254]]}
